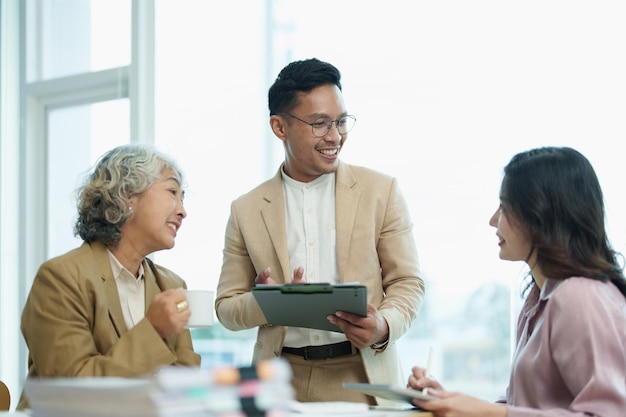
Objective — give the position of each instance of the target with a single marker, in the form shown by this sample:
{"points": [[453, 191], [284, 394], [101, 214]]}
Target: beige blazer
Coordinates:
{"points": [[74, 326], [375, 246]]}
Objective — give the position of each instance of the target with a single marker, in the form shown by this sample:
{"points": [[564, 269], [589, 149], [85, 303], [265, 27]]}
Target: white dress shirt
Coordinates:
{"points": [[310, 218], [131, 291]]}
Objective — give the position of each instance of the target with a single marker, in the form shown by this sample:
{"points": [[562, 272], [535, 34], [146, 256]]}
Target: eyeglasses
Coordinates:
{"points": [[322, 126]]}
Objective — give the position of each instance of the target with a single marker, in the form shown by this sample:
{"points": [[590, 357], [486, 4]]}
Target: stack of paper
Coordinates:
{"points": [[260, 390], [90, 397], [263, 389]]}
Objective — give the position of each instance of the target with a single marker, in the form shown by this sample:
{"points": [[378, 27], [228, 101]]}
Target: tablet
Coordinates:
{"points": [[308, 305], [389, 393]]}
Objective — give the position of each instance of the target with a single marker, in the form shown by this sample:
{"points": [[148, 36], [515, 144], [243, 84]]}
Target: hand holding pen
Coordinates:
{"points": [[421, 379]]}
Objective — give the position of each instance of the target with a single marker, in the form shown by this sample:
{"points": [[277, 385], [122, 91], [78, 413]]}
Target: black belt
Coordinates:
{"points": [[315, 353]]}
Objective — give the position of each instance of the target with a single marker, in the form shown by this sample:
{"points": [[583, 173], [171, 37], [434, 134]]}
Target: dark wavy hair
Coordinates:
{"points": [[300, 76], [119, 175], [554, 194]]}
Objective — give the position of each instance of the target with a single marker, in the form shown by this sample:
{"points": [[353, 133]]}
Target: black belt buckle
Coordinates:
{"points": [[317, 352], [327, 351]]}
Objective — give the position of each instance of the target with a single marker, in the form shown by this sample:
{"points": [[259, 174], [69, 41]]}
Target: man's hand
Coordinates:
{"points": [[164, 312], [298, 273], [265, 276], [362, 331]]}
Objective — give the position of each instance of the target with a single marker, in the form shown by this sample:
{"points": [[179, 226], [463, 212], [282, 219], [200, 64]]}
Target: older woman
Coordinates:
{"points": [[104, 309]]}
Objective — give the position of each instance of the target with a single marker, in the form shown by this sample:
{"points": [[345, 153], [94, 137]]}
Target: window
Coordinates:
{"points": [[69, 37], [75, 104], [84, 132]]}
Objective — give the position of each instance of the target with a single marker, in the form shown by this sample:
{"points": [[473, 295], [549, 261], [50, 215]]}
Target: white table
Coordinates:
{"points": [[372, 413]]}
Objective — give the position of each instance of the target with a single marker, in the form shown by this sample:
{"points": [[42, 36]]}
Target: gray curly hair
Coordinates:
{"points": [[119, 175]]}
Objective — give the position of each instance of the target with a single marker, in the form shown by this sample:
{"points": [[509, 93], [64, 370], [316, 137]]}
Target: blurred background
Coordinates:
{"points": [[445, 93]]}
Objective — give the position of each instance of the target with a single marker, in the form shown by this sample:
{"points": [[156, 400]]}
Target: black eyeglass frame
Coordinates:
{"points": [[326, 120]]}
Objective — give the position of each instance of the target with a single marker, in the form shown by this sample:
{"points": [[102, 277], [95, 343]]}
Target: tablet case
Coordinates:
{"points": [[308, 305]]}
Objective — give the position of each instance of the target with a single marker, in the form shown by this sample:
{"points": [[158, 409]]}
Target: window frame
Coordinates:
{"points": [[24, 148]]}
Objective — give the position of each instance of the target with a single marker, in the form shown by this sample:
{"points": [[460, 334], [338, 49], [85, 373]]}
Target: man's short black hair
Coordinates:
{"points": [[299, 76]]}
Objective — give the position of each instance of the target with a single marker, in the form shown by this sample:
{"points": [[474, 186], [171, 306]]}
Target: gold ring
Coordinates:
{"points": [[182, 306]]}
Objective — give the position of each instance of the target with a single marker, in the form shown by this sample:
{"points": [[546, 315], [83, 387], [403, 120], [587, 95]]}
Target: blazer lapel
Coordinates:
{"points": [[346, 202], [273, 213], [110, 288]]}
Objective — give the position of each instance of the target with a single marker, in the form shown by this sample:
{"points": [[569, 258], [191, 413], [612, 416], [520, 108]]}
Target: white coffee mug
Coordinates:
{"points": [[201, 307]]}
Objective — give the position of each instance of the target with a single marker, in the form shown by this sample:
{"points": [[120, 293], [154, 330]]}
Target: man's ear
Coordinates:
{"points": [[279, 127]]}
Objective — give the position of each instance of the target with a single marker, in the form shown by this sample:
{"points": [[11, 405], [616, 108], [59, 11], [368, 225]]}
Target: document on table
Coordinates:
{"points": [[329, 408], [350, 409]]}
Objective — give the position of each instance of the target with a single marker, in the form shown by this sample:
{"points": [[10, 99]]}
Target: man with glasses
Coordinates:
{"points": [[322, 220]]}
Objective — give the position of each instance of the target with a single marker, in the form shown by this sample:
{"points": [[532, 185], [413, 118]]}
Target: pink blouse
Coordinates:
{"points": [[571, 351]]}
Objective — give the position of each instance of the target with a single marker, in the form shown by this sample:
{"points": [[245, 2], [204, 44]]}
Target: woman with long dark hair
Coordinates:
{"points": [[570, 358]]}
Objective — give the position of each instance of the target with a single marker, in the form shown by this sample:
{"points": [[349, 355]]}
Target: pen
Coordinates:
{"points": [[428, 366]]}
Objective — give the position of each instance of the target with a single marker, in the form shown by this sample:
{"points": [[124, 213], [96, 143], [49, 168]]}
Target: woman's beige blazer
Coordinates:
{"points": [[73, 323]]}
